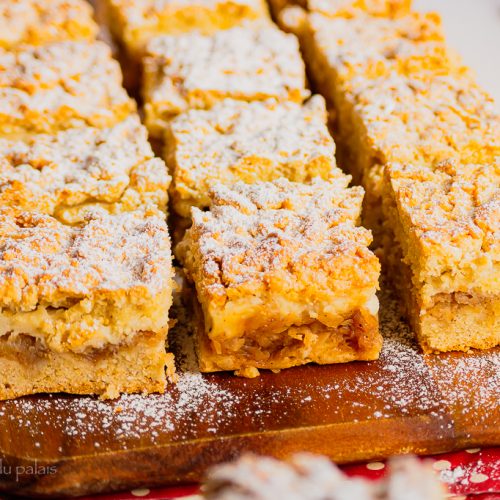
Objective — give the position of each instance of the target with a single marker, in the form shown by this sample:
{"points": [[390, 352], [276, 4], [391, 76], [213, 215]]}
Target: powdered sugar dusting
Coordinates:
{"points": [[257, 233], [45, 262], [41, 88], [68, 171], [35, 22], [249, 62]]}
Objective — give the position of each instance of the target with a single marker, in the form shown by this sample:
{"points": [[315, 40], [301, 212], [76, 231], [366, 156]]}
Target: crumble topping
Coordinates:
{"points": [[76, 166], [216, 139], [45, 262], [251, 61], [373, 46], [139, 13], [35, 21], [255, 233], [236, 140], [413, 120], [69, 78], [453, 211], [50, 65]]}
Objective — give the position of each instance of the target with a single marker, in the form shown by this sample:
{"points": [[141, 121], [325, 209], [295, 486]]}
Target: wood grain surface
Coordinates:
{"points": [[59, 445]]}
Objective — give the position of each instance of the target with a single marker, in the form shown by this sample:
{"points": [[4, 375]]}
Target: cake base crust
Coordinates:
{"points": [[27, 368], [455, 322]]}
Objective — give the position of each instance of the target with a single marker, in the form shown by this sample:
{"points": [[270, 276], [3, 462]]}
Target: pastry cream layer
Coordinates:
{"points": [[88, 324], [271, 314]]}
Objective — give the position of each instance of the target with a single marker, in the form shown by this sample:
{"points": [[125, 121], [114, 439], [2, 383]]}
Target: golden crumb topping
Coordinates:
{"points": [[279, 235], [353, 8], [35, 22], [451, 214], [145, 12], [371, 47], [248, 63], [427, 120], [63, 82], [115, 257], [236, 140], [85, 166]]}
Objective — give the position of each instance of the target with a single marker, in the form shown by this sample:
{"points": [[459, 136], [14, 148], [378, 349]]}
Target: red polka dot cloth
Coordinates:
{"points": [[472, 474]]}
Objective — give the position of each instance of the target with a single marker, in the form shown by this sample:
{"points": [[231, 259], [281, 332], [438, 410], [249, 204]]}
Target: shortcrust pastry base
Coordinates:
{"points": [[457, 326], [455, 322], [356, 339], [27, 368]]}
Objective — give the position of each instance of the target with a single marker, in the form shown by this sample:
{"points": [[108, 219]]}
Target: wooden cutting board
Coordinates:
{"points": [[54, 445]]}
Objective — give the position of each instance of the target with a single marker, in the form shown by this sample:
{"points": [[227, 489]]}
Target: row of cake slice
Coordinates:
{"points": [[72, 157], [412, 127], [282, 272], [417, 132], [85, 257]]}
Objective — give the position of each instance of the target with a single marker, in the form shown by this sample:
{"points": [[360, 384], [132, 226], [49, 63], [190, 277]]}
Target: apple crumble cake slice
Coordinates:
{"points": [[58, 86], [76, 170], [248, 63], [246, 141], [283, 276], [84, 309], [35, 22], [444, 223]]}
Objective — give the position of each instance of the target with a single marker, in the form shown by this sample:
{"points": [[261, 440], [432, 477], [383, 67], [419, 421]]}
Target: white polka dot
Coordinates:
{"points": [[478, 478], [473, 450], [441, 465], [140, 492], [375, 466]]}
